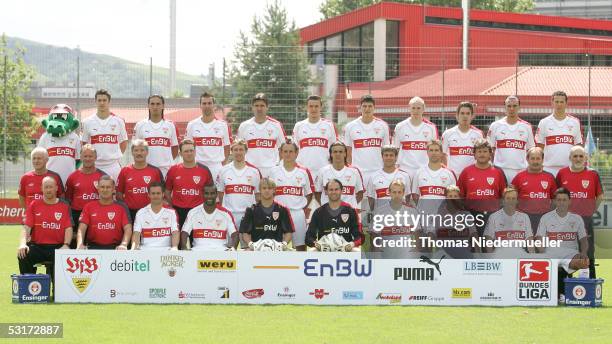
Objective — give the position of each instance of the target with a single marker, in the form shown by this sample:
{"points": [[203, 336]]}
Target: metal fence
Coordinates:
{"points": [[341, 75]]}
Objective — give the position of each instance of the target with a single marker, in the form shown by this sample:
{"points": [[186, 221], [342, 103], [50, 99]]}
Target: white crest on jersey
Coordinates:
{"points": [[344, 217], [544, 184], [490, 180], [275, 215], [196, 179], [58, 216], [146, 179], [585, 183], [111, 215]]}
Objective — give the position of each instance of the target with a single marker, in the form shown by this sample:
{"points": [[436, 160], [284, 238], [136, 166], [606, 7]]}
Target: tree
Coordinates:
{"points": [[270, 60], [20, 124], [332, 8]]}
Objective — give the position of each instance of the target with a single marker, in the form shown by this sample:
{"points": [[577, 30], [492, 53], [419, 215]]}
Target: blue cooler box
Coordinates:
{"points": [[31, 288], [583, 292]]}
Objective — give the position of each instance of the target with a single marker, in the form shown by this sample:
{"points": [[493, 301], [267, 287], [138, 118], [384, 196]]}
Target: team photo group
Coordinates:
{"points": [[260, 190]]}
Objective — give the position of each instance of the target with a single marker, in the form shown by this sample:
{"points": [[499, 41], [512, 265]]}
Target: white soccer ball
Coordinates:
{"points": [[332, 242], [267, 245]]}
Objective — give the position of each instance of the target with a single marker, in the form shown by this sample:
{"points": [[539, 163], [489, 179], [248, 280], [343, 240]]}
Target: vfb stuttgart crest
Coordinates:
{"points": [[146, 179], [585, 183], [111, 215], [196, 179], [344, 217], [58, 216], [95, 184], [490, 180], [275, 215], [81, 271], [544, 184]]}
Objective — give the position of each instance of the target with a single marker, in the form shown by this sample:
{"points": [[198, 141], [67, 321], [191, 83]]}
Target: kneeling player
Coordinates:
{"points": [[156, 227], [335, 217], [212, 226], [267, 219]]}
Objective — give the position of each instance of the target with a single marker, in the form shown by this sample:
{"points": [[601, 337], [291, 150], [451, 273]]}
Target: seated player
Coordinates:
{"points": [[212, 226], [47, 227], [335, 217], [156, 226], [267, 219], [509, 224], [394, 206], [105, 224]]}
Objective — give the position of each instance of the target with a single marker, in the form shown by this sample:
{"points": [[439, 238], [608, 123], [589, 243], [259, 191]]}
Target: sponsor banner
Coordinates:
{"points": [[318, 278], [10, 212]]}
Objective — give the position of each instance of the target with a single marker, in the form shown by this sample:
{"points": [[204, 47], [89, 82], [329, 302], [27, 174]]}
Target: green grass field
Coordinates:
{"points": [[90, 323]]}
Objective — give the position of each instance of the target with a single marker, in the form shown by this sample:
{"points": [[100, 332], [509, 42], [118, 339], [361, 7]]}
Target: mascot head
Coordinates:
{"points": [[60, 121]]}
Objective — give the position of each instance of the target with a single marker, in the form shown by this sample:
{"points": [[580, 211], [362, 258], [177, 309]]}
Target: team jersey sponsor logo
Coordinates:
{"points": [[382, 193], [512, 144], [432, 190], [559, 139], [156, 232], [209, 234], [61, 151], [414, 145], [261, 143], [564, 236], [289, 190], [461, 151], [534, 280], [81, 271], [239, 189], [158, 141], [105, 138], [368, 142], [510, 235], [348, 189], [208, 141], [314, 142]]}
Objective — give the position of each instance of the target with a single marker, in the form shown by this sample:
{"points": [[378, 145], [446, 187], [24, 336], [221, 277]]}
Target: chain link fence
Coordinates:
{"points": [[341, 75]]}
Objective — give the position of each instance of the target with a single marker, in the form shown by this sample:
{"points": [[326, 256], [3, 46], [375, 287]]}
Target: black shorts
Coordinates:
{"points": [[75, 219], [133, 215], [535, 222], [182, 215], [101, 247]]}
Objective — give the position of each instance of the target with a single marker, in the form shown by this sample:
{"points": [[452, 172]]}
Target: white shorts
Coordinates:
{"points": [[553, 170], [237, 218], [510, 174], [265, 171], [299, 222], [215, 168], [111, 169], [164, 170]]}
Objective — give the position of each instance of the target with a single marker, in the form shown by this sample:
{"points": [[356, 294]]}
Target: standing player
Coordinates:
{"points": [[314, 136], [535, 187], [156, 226], [106, 132], [482, 184], [511, 138], [161, 135], [238, 182], [134, 180], [47, 227], [185, 180], [431, 181], [364, 138], [352, 182], [105, 224], [411, 137], [508, 224], [211, 136], [586, 191], [458, 141], [212, 226], [267, 219], [263, 134], [64, 151], [82, 184], [335, 217], [557, 133], [294, 188], [377, 189], [30, 184]]}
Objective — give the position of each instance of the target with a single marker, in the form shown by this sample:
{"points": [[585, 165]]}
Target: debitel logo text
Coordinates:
{"points": [[130, 265], [342, 268]]}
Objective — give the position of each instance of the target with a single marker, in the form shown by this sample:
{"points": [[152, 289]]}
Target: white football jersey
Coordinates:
{"points": [[511, 143], [459, 147], [105, 135], [568, 229], [412, 143], [292, 187], [349, 176], [212, 232], [430, 184], [314, 141], [63, 153], [160, 137], [378, 185], [210, 139], [366, 141], [156, 229], [558, 137], [238, 186], [263, 141], [505, 227]]}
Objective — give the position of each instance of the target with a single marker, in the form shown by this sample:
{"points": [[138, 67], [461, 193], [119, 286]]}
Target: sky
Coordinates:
{"points": [[139, 29]]}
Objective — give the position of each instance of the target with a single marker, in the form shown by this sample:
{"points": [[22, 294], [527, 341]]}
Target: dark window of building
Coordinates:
{"points": [[392, 49], [545, 59]]}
